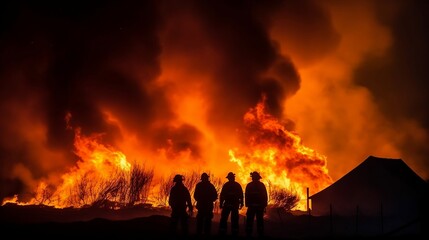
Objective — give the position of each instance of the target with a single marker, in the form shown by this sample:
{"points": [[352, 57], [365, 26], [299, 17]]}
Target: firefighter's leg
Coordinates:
{"points": [[260, 221], [250, 216]]}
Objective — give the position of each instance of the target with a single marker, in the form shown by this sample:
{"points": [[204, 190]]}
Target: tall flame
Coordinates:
{"points": [[279, 156], [103, 173], [97, 166]]}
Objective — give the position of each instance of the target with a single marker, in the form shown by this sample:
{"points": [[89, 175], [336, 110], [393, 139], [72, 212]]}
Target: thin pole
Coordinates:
{"points": [[308, 201]]}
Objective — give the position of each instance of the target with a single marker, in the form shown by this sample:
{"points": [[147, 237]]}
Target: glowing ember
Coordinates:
{"points": [[279, 156]]}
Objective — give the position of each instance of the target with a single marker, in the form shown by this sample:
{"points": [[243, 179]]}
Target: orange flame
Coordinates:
{"points": [[279, 156], [84, 183]]}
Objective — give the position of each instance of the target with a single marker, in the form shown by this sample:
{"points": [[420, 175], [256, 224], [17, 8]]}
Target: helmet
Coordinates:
{"points": [[255, 175], [230, 175], [178, 178], [204, 176]]}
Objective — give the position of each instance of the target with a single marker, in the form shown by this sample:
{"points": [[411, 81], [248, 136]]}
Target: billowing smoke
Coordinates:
{"points": [[168, 82], [358, 97]]}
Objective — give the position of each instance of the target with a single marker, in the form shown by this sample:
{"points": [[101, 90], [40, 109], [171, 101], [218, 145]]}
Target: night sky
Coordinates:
{"points": [[349, 77]]}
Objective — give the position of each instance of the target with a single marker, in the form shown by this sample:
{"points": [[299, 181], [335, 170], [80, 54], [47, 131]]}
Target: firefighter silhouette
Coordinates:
{"points": [[231, 200], [179, 201], [256, 200], [205, 194]]}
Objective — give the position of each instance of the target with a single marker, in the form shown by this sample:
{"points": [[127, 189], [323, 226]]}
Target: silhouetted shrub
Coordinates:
{"points": [[140, 184], [282, 198]]}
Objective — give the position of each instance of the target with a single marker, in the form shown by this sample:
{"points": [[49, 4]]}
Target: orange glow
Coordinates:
{"points": [[279, 156], [275, 152], [177, 89], [98, 163], [13, 199]]}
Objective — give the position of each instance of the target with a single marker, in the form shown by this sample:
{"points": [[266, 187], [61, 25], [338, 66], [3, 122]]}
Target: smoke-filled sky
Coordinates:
{"points": [[172, 80]]}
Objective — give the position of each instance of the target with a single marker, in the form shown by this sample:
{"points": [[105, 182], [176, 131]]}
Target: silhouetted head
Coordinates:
{"points": [[178, 178], [204, 177], [255, 175], [230, 176]]}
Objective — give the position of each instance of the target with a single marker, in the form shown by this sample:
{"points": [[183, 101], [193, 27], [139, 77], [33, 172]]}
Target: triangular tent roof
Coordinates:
{"points": [[376, 185]]}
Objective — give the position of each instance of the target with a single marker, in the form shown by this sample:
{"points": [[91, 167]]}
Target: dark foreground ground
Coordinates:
{"points": [[25, 222]]}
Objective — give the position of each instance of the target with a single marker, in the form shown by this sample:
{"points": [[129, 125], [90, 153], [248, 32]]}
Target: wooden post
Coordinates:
{"points": [[308, 201]]}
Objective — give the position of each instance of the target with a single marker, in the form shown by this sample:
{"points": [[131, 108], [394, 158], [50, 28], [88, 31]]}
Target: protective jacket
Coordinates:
{"points": [[256, 194], [231, 194], [205, 194]]}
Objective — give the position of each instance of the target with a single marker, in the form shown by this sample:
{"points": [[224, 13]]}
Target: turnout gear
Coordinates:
{"points": [[205, 194], [256, 200], [255, 175], [231, 200], [204, 176], [179, 200], [178, 178], [230, 175]]}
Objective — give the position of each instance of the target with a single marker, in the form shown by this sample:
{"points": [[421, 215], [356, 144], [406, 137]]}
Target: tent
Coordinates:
{"points": [[386, 193]]}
